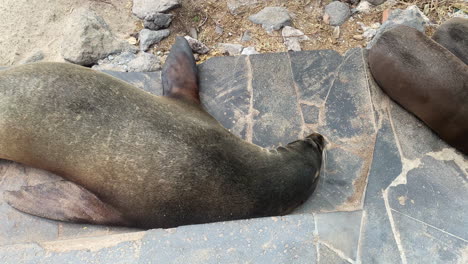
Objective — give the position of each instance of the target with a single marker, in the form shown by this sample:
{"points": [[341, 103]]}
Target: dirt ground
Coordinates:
{"points": [[30, 25]]}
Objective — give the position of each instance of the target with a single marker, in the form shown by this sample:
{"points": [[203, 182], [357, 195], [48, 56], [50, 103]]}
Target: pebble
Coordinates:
{"points": [[143, 8], [157, 21], [219, 30], [197, 46], [363, 7], [246, 36], [249, 51], [376, 2], [193, 33], [230, 49], [336, 32], [237, 7], [292, 38], [272, 18], [337, 12], [149, 37], [358, 37]]}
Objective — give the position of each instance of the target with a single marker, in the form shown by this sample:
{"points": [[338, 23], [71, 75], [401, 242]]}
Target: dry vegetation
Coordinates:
{"points": [[206, 15]]}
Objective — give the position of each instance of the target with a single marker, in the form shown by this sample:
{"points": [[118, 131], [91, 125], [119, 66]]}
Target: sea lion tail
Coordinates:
{"points": [[180, 74]]}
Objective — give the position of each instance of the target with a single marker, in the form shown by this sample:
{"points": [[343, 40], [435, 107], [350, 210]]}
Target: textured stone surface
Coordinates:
{"points": [[87, 38], [143, 8], [149, 37], [391, 191], [272, 18], [337, 13]]}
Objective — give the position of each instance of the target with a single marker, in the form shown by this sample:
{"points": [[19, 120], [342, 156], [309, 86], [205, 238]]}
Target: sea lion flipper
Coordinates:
{"points": [[63, 201], [179, 73]]}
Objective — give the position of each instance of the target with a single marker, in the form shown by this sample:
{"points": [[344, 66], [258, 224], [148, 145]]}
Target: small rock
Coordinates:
{"points": [[193, 33], [149, 37], [411, 17], [338, 13], [132, 41], [143, 8], [88, 39], [196, 56], [292, 38], [363, 7], [246, 36], [376, 2], [129, 62], [157, 21], [385, 14], [144, 62], [358, 37], [197, 46], [219, 30], [272, 18], [230, 49], [33, 57], [237, 7], [249, 51], [336, 32], [326, 19]]}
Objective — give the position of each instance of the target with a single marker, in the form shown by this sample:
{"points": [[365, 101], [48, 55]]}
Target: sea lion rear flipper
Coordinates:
{"points": [[179, 73], [64, 201]]}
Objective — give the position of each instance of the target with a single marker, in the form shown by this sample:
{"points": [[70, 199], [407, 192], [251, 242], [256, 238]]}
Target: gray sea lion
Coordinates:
{"points": [[453, 35], [133, 159], [426, 79]]}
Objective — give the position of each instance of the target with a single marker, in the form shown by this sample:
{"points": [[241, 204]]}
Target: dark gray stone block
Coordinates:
{"points": [[378, 243], [425, 244], [225, 93], [278, 120], [327, 256], [314, 72], [435, 193]]}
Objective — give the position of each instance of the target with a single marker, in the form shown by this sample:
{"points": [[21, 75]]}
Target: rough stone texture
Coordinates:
{"points": [[197, 46], [149, 37], [411, 17], [246, 36], [230, 49], [391, 191], [292, 38], [143, 8], [249, 51], [363, 7], [337, 12], [130, 62], [272, 18], [237, 7], [34, 56], [376, 2], [87, 38], [157, 21]]}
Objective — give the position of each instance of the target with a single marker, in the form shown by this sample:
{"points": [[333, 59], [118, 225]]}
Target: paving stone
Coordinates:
{"points": [[266, 240], [434, 193], [225, 94], [275, 98], [314, 72], [425, 244], [333, 227], [378, 244], [327, 256]]}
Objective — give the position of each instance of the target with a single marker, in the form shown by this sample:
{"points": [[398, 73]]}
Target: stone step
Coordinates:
{"points": [[391, 192]]}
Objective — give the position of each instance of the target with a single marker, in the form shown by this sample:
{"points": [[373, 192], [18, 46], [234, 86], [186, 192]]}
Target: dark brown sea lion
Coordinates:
{"points": [[426, 79], [453, 35], [134, 159]]}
